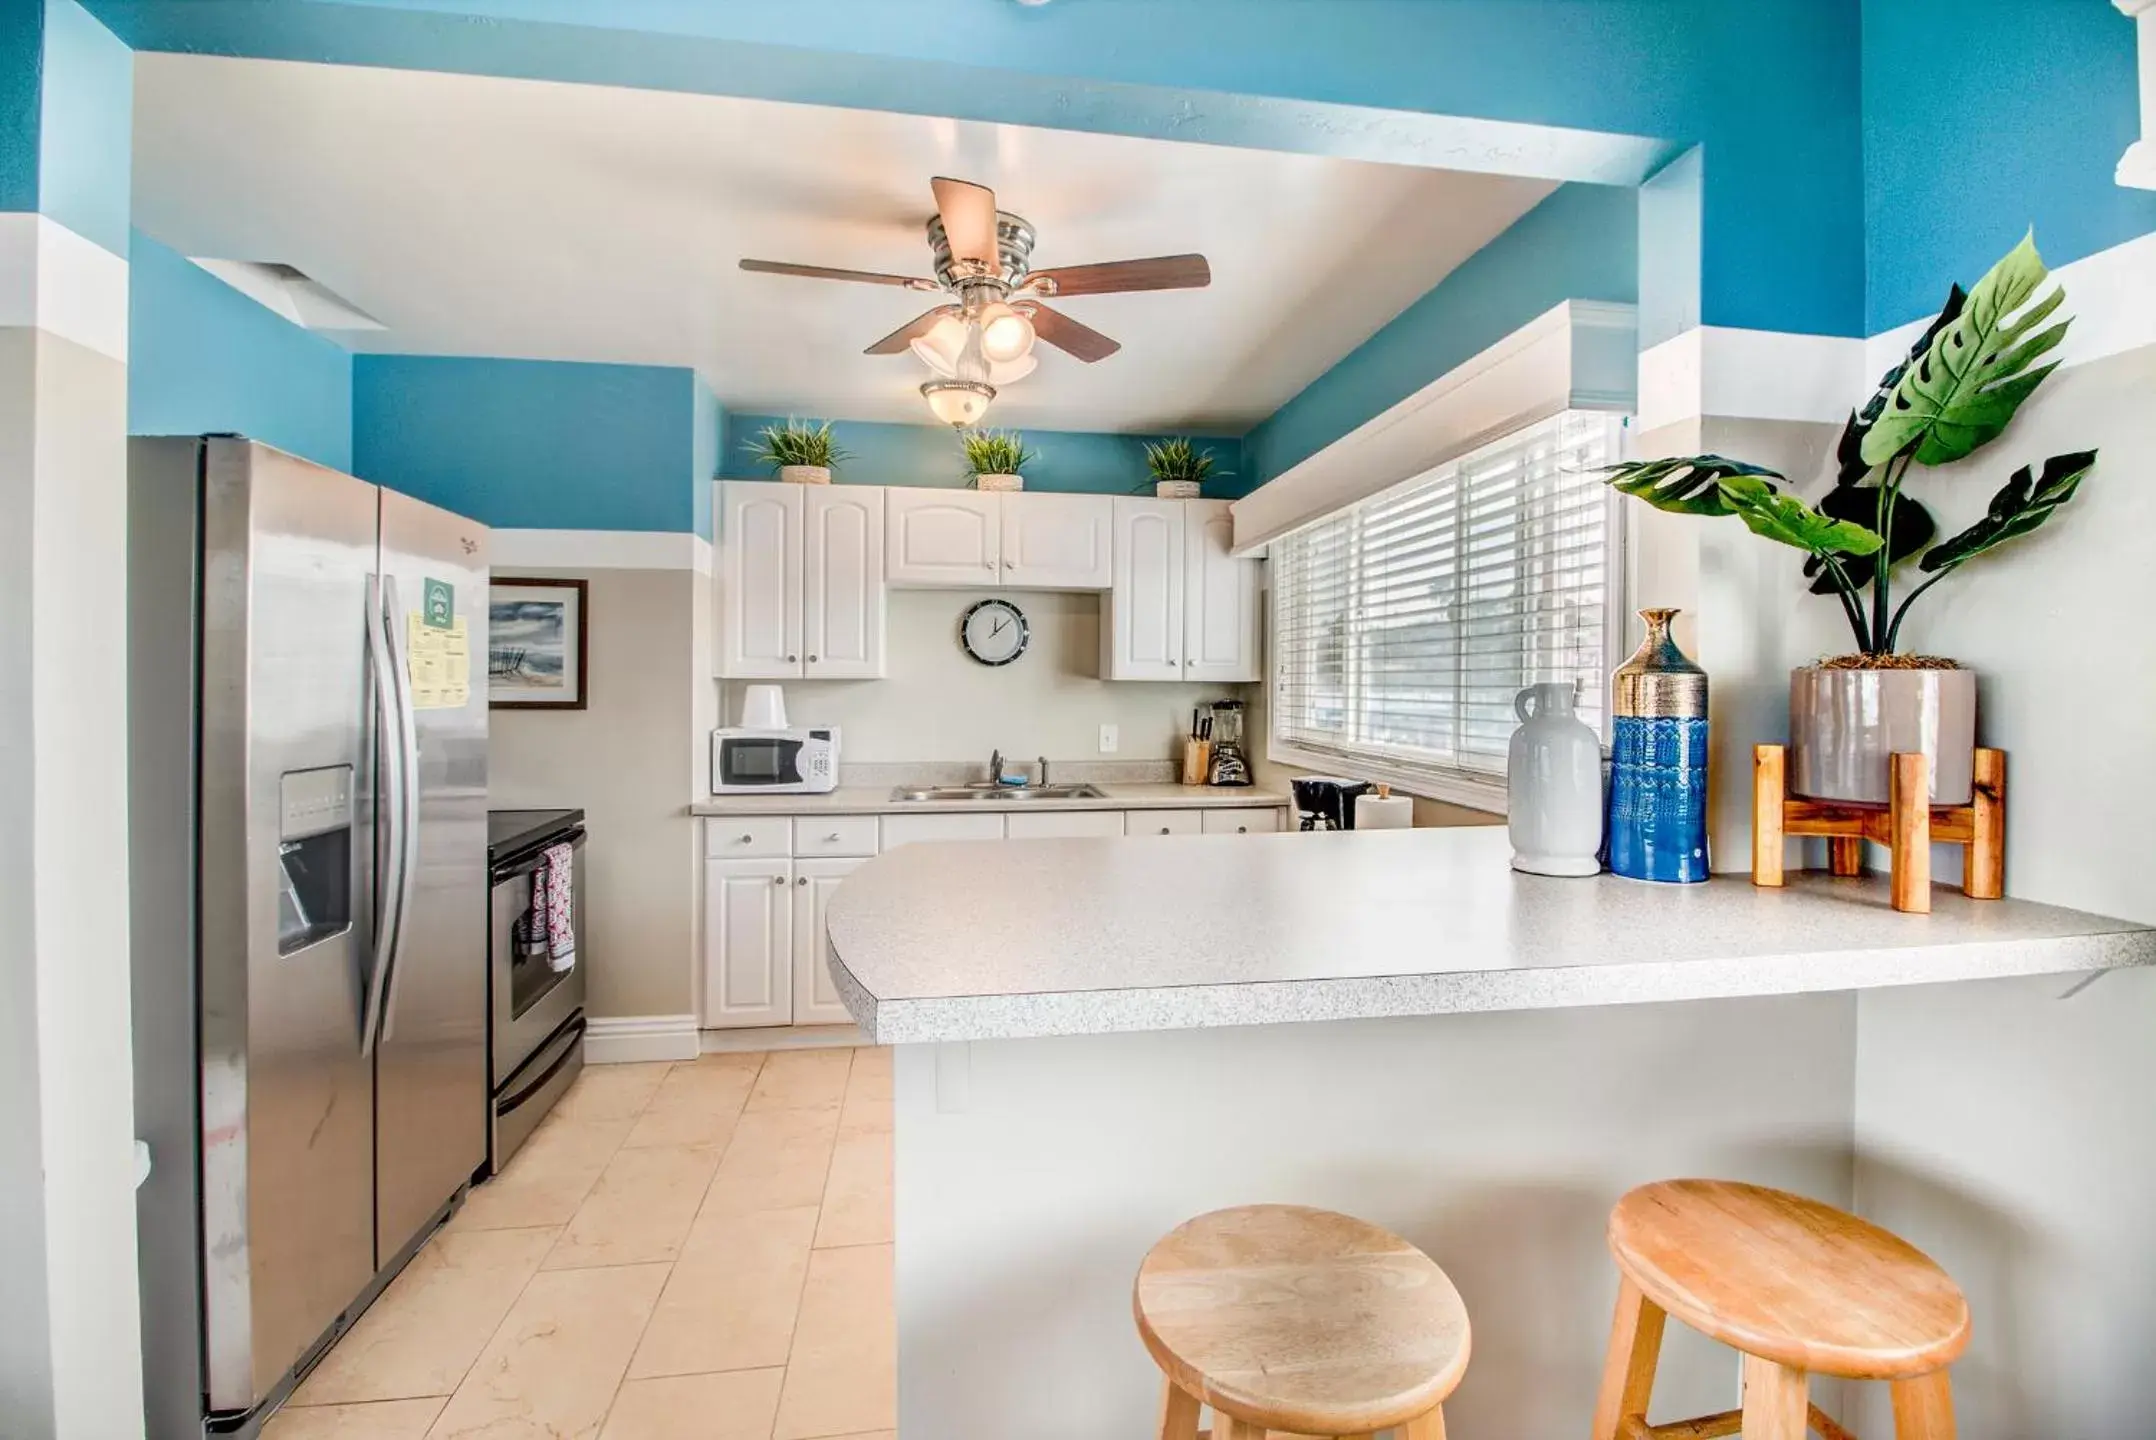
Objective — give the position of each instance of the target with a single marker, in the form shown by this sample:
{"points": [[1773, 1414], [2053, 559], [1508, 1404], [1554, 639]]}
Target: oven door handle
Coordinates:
{"points": [[574, 1032]]}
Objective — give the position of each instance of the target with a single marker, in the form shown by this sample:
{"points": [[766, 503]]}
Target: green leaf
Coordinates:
{"points": [[2022, 504], [1911, 529], [1683, 484], [1767, 512], [1849, 454], [1975, 374]]}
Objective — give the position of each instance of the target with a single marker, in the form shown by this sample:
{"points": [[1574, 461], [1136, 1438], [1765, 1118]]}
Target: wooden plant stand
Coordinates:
{"points": [[1906, 825]]}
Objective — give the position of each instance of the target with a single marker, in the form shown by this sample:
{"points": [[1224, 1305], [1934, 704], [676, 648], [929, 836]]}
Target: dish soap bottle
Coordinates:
{"points": [[1553, 783], [1658, 761]]}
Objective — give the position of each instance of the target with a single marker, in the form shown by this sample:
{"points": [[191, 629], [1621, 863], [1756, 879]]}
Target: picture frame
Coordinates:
{"points": [[538, 644]]}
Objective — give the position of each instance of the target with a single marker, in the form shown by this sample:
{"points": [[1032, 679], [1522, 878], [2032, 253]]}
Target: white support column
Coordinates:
{"points": [[2137, 167]]}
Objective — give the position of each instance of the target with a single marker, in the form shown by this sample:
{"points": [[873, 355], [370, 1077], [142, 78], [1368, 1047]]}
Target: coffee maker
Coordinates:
{"points": [[1229, 765], [1327, 802]]}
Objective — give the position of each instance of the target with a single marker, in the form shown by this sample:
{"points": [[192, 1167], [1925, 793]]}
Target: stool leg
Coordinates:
{"points": [[1628, 1370], [1923, 1407], [1178, 1412], [1227, 1427], [1425, 1427], [1776, 1401]]}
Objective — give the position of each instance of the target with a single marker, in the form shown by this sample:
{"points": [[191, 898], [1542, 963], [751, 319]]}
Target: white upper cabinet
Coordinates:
{"points": [[1143, 636], [1057, 542], [950, 538], [800, 584], [1220, 598], [759, 589], [842, 601]]}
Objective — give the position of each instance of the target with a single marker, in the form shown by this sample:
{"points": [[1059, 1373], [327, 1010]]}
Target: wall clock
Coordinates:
{"points": [[993, 632]]}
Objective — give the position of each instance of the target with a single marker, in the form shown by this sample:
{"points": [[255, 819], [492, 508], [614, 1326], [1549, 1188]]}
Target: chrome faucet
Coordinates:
{"points": [[995, 770], [1042, 778]]}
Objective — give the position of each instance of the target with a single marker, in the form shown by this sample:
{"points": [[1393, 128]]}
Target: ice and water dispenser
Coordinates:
{"points": [[314, 855]]}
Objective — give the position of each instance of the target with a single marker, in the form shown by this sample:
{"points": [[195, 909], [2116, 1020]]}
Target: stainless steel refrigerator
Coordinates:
{"points": [[308, 780]]}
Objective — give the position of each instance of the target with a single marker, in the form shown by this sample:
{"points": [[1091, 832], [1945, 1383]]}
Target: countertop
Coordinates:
{"points": [[876, 800], [934, 942]]}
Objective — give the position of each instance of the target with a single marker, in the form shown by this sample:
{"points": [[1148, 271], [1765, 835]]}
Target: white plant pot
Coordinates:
{"points": [[999, 482], [1175, 489], [805, 474]]}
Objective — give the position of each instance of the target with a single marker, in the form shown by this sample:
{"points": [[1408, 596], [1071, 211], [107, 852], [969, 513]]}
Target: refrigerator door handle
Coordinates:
{"points": [[407, 873], [381, 670]]}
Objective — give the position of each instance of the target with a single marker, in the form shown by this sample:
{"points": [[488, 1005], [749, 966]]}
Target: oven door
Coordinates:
{"points": [[757, 762], [531, 998]]}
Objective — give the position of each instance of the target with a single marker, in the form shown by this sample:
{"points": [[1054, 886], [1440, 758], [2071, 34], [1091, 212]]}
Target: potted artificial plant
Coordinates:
{"points": [[1954, 393], [994, 458], [801, 453], [1179, 469]]}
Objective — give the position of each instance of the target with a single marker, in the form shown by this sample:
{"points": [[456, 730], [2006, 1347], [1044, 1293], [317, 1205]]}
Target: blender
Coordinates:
{"points": [[1230, 766]]}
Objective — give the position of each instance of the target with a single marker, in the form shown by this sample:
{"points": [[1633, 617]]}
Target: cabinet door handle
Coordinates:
{"points": [[1242, 829], [791, 659], [748, 839], [802, 881], [812, 659], [1163, 829], [778, 879], [831, 839]]}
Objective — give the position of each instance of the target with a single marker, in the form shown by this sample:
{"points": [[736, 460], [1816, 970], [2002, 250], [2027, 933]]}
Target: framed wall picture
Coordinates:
{"points": [[536, 645]]}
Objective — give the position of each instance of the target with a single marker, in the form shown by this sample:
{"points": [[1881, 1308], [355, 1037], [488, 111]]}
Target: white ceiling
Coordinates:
{"points": [[480, 216]]}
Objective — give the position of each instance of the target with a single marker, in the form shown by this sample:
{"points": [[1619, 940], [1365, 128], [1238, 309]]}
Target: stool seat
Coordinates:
{"points": [[1789, 1280], [1301, 1320]]}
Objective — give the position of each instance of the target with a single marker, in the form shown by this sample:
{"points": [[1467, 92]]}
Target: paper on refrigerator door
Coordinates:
{"points": [[441, 663]]}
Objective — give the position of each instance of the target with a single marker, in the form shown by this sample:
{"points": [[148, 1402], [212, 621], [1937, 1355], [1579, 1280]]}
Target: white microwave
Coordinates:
{"points": [[778, 762]]}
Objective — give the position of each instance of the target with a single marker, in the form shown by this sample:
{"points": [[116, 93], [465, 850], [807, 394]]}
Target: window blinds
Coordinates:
{"points": [[1404, 625]]}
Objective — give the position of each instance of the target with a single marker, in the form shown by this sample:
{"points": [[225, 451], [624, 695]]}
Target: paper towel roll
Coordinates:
{"points": [[1384, 812]]}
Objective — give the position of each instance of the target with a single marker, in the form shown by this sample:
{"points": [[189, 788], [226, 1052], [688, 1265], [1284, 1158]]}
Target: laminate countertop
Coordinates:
{"points": [[936, 942], [876, 800]]}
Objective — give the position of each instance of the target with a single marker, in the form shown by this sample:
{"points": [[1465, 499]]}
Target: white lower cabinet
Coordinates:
{"points": [[1064, 824], [748, 942], [1253, 821], [905, 829], [816, 1000], [1165, 822]]}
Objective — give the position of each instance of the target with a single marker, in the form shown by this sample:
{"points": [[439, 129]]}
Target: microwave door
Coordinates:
{"points": [[760, 761]]}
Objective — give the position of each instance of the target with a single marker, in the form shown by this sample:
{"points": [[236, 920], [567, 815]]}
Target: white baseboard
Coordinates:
{"points": [[781, 1037], [613, 1039]]}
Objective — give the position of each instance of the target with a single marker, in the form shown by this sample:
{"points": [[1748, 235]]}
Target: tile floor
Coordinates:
{"points": [[698, 1250]]}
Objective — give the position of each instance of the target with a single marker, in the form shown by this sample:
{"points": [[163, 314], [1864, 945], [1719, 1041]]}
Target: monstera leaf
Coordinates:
{"points": [[1849, 454], [2022, 504], [1767, 512], [1909, 531], [1683, 484], [1975, 374]]}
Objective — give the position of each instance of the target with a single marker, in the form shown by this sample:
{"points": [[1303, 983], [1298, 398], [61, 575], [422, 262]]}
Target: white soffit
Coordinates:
{"points": [[291, 293], [1579, 355]]}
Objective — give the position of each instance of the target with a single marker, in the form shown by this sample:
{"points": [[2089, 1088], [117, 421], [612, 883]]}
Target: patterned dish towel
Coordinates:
{"points": [[556, 883]]}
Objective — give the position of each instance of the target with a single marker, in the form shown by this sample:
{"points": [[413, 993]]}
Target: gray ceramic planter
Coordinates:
{"points": [[1843, 724]]}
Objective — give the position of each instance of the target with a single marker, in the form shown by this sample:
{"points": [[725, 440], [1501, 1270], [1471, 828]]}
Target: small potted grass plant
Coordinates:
{"points": [[800, 453], [995, 457], [1179, 468]]}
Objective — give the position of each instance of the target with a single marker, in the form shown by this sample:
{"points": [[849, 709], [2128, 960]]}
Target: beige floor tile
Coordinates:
{"points": [[640, 1209], [801, 1080], [731, 1301], [735, 1406], [613, 1092], [857, 1196], [777, 1160], [552, 1369], [431, 1323], [841, 1375], [696, 1103], [548, 1179], [381, 1420], [868, 1093]]}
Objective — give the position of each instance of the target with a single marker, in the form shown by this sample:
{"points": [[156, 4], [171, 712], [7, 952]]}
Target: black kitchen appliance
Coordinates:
{"points": [[1327, 802], [535, 1013]]}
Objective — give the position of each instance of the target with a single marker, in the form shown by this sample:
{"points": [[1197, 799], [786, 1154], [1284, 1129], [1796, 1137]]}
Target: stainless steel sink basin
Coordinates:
{"points": [[999, 792]]}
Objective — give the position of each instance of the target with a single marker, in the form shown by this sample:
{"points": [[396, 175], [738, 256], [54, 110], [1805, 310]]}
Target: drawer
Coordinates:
{"points": [[835, 835], [748, 837], [1241, 822], [905, 829], [1064, 824], [1166, 822]]}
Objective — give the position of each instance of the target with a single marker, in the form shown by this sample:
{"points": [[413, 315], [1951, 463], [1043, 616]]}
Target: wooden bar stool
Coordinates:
{"points": [[1306, 1321], [1798, 1287]]}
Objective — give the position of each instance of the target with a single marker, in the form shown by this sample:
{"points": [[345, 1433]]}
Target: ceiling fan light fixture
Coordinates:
{"points": [[1010, 372], [1006, 334], [958, 403]]}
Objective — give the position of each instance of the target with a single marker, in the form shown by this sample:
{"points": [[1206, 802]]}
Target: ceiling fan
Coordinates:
{"points": [[983, 335]]}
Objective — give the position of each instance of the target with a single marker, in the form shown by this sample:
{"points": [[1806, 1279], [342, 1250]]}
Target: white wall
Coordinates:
{"points": [[940, 705]]}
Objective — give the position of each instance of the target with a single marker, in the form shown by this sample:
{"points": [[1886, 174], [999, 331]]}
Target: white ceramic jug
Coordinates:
{"points": [[1554, 784]]}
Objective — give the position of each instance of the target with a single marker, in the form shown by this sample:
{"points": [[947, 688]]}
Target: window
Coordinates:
{"points": [[1404, 625]]}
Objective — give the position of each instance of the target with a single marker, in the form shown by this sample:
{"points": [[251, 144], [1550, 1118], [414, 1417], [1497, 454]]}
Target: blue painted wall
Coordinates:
{"points": [[1769, 88], [1582, 243], [1981, 119], [204, 357], [67, 92], [1070, 460], [709, 434], [22, 73], [535, 444]]}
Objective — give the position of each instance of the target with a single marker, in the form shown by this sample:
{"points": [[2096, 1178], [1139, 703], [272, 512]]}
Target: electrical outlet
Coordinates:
{"points": [[1108, 739]]}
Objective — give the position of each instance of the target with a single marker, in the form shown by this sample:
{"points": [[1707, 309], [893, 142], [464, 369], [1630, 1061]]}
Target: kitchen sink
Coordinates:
{"points": [[999, 792]]}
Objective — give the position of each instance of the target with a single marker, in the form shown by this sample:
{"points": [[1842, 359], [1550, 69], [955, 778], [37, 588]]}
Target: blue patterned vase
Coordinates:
{"points": [[1658, 762]]}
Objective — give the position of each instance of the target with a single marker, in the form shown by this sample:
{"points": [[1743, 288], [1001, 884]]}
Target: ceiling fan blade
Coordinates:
{"points": [[896, 342], [1162, 272], [1065, 333], [825, 272], [969, 219]]}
